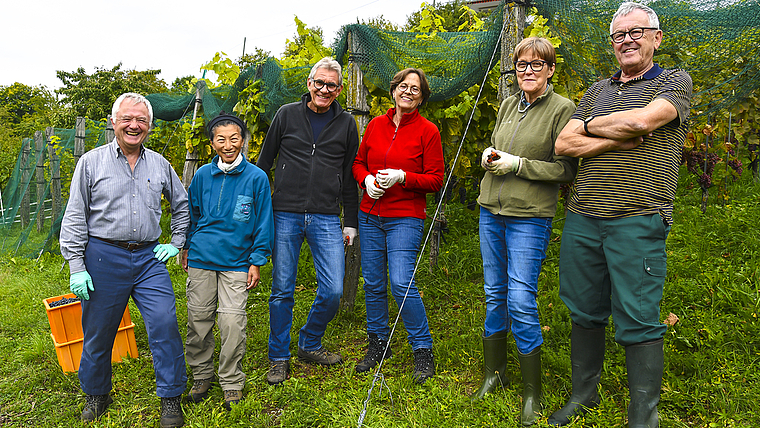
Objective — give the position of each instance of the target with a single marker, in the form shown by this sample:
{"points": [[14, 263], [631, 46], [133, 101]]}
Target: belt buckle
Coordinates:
{"points": [[131, 246]]}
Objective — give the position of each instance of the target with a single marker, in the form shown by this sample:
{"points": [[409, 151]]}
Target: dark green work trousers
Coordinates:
{"points": [[615, 267]]}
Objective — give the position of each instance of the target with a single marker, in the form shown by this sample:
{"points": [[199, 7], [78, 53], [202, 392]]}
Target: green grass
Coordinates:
{"points": [[712, 353]]}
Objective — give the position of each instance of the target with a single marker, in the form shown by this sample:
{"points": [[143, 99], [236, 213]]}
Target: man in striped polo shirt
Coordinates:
{"points": [[629, 129]]}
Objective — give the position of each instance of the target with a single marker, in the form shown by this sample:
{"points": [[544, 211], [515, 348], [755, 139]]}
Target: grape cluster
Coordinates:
{"points": [[63, 301], [736, 165], [702, 165]]}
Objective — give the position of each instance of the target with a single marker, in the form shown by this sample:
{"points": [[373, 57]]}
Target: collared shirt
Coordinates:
{"points": [[640, 181], [109, 200]]}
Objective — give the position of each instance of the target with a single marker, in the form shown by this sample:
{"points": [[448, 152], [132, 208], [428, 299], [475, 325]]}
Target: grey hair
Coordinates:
{"points": [[330, 64], [137, 99], [629, 7]]}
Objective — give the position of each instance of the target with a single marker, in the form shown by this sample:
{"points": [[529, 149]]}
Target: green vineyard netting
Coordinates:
{"points": [[715, 41]]}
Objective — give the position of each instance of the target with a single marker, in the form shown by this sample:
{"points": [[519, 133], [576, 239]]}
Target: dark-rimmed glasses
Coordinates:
{"points": [[535, 65], [635, 33], [319, 84]]}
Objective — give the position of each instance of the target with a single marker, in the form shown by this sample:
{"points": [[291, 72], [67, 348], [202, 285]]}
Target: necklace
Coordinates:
{"points": [[524, 102]]}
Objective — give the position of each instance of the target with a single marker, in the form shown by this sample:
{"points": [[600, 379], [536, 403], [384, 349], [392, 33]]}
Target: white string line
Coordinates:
{"points": [[377, 374]]}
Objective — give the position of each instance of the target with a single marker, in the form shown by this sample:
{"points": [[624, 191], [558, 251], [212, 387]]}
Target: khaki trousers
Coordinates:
{"points": [[208, 293]]}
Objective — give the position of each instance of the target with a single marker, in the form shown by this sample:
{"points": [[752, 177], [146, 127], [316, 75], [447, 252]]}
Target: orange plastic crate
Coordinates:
{"points": [[66, 331]]}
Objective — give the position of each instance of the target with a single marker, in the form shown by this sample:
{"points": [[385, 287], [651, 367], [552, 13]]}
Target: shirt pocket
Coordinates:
{"points": [[243, 208], [154, 195]]}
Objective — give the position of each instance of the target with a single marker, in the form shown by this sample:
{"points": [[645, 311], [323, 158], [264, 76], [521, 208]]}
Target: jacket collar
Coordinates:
{"points": [[547, 92], [406, 118], [653, 72], [237, 170]]}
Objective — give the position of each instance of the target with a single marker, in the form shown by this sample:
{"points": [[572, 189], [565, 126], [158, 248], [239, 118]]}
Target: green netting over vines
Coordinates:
{"points": [[716, 41], [35, 197]]}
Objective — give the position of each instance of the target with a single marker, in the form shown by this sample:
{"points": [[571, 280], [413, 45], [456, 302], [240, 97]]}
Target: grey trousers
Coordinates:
{"points": [[208, 293]]}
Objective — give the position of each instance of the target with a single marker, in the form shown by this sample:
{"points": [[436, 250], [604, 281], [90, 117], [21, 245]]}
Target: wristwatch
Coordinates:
{"points": [[585, 126]]}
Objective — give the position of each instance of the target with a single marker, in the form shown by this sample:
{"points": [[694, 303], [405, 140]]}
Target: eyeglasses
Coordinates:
{"points": [[403, 87], [635, 33], [319, 84], [536, 65], [141, 120]]}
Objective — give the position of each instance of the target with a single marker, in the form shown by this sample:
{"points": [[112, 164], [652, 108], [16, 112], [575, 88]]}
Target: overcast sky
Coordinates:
{"points": [[177, 37]]}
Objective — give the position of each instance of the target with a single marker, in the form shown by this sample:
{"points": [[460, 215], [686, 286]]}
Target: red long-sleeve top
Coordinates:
{"points": [[414, 147]]}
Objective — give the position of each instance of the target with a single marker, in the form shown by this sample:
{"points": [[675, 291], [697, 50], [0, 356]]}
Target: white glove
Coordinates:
{"points": [[504, 164], [349, 234], [373, 191], [386, 178]]}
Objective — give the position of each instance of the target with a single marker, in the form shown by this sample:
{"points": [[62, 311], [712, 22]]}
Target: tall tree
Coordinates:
{"points": [[93, 95]]}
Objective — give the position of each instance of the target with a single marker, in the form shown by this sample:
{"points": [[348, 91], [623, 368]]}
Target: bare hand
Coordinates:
{"points": [[183, 259], [253, 277]]}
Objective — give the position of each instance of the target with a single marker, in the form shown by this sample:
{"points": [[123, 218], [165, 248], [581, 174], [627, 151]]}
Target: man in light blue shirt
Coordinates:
{"points": [[109, 235]]}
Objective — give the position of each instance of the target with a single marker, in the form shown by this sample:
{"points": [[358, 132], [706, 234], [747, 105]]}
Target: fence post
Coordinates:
{"points": [[191, 157], [25, 173], [79, 133], [55, 175], [109, 135], [356, 101], [39, 144], [514, 15]]}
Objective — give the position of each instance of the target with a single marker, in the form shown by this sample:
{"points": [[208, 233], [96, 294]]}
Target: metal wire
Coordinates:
{"points": [[378, 374]]}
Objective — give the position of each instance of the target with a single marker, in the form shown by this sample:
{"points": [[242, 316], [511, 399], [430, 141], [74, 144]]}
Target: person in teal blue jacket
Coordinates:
{"points": [[230, 237]]}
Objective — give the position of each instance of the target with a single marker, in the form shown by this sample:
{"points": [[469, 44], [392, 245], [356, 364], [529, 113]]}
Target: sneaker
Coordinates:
{"points": [[95, 406], [320, 356], [171, 412], [278, 371], [375, 353], [231, 397], [200, 389], [424, 365]]}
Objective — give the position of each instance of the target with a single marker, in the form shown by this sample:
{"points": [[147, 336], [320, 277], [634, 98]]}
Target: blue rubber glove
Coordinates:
{"points": [[165, 251], [79, 283]]}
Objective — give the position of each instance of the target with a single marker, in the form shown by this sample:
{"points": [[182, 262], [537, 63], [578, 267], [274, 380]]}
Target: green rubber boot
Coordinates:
{"points": [[645, 364], [586, 357], [494, 364], [530, 366]]}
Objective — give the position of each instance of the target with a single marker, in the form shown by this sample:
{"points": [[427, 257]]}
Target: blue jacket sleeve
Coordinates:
{"points": [[263, 230]]}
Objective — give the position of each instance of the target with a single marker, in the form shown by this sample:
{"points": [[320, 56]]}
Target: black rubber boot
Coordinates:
{"points": [[586, 357], [494, 364], [645, 364], [375, 349], [530, 367]]}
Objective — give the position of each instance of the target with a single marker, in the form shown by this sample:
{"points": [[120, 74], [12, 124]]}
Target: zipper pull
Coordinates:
{"points": [[313, 148]]}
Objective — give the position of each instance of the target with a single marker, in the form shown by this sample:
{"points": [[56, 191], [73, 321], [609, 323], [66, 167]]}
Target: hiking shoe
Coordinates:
{"points": [[278, 372], [200, 389], [320, 356], [95, 406], [424, 365], [375, 353], [171, 412], [231, 397]]}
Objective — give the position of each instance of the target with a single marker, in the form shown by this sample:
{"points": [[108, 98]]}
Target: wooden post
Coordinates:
{"points": [[514, 15], [109, 133], [55, 176], [39, 144], [79, 133], [356, 100], [191, 157], [25, 173]]}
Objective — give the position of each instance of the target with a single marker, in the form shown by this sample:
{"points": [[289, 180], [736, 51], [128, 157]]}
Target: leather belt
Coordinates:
{"points": [[131, 246]]}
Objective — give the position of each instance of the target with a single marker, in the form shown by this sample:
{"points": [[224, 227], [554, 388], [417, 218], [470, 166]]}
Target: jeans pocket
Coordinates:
{"points": [[243, 207]]}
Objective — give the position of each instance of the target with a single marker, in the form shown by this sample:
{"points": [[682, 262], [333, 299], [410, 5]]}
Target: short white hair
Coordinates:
{"points": [[629, 7], [137, 99], [330, 64]]}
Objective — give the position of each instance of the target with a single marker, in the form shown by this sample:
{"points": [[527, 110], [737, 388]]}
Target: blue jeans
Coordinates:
{"points": [[118, 273], [390, 245], [513, 249], [325, 238]]}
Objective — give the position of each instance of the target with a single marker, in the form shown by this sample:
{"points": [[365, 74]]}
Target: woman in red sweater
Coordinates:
{"points": [[400, 160]]}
